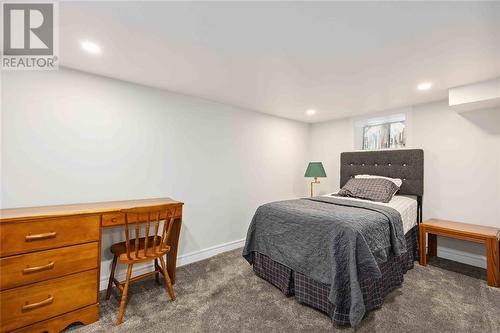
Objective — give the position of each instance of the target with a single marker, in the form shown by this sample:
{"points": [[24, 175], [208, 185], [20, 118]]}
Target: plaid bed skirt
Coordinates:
{"points": [[315, 294]]}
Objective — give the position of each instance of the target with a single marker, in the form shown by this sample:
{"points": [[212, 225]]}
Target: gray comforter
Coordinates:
{"points": [[334, 241]]}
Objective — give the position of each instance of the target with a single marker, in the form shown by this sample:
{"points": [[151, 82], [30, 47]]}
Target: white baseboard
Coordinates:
{"points": [[189, 258], [182, 260], [461, 256]]}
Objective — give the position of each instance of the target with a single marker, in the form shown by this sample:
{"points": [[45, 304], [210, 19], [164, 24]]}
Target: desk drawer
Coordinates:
{"points": [[26, 305], [111, 219], [117, 218], [23, 237], [38, 266]]}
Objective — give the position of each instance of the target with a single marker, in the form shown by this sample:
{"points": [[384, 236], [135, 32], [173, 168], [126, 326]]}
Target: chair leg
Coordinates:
{"points": [[157, 275], [111, 276], [167, 279], [123, 301]]}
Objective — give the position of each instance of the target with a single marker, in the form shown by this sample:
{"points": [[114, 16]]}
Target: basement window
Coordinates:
{"points": [[387, 132], [384, 136]]}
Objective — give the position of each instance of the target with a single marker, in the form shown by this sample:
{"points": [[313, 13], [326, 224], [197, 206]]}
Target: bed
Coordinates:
{"points": [[339, 255]]}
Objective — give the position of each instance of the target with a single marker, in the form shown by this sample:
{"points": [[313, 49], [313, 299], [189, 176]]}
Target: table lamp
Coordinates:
{"points": [[315, 169]]}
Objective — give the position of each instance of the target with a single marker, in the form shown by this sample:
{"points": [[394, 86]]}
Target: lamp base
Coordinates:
{"points": [[316, 181]]}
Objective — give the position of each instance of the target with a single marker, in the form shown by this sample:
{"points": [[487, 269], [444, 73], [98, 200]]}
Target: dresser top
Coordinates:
{"points": [[13, 214]]}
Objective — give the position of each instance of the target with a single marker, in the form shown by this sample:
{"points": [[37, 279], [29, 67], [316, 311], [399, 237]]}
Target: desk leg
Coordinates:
{"points": [[423, 245], [174, 243], [432, 247], [493, 262]]}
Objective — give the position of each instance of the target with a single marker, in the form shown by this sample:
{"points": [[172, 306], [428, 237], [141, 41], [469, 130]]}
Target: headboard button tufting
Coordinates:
{"points": [[389, 163]]}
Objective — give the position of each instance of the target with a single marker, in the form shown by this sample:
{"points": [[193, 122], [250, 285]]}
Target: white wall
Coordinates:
{"points": [[70, 137], [462, 166]]}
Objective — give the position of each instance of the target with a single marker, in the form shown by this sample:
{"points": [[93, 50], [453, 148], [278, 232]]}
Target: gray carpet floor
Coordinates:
{"points": [[222, 294]]}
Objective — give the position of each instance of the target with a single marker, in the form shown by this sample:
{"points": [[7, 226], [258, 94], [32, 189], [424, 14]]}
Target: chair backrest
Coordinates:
{"points": [[150, 216]]}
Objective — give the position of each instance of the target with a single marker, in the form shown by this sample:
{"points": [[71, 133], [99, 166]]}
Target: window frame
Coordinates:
{"points": [[388, 124]]}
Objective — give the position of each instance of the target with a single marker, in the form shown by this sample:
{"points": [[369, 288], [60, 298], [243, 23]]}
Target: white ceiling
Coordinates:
{"points": [[283, 58]]}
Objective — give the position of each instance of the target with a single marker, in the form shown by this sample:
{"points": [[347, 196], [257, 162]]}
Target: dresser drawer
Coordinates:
{"points": [[26, 305], [86, 315], [112, 219], [43, 265], [23, 237]]}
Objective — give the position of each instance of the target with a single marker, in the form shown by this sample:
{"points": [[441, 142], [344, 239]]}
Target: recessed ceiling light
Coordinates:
{"points": [[424, 86], [90, 47], [310, 112]]}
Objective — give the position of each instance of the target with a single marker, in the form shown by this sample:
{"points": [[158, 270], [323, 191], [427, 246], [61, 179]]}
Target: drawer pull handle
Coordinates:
{"points": [[46, 235], [47, 301], [28, 270], [113, 220]]}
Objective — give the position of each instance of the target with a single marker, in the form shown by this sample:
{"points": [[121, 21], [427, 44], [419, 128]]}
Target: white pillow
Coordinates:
{"points": [[397, 181]]}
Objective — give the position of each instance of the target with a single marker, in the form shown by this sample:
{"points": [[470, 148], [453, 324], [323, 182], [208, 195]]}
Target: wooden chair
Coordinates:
{"points": [[142, 249]]}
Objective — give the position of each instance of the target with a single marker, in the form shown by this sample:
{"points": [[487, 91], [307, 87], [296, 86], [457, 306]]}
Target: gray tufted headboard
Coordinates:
{"points": [[407, 164]]}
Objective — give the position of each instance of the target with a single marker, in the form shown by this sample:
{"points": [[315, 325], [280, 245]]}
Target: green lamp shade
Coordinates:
{"points": [[315, 169]]}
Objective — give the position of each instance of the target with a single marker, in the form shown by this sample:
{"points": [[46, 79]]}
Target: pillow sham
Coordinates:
{"points": [[374, 189], [397, 181]]}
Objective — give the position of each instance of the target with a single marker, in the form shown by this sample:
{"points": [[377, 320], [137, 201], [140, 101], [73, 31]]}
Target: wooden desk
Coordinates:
{"points": [[50, 262], [489, 236]]}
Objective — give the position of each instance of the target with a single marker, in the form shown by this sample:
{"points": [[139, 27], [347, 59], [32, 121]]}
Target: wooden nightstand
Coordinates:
{"points": [[490, 236]]}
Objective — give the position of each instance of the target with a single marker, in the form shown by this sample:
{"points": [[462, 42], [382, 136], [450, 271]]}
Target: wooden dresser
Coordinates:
{"points": [[50, 262]]}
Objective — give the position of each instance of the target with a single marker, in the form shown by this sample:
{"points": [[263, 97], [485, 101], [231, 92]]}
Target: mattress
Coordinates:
{"points": [[406, 206]]}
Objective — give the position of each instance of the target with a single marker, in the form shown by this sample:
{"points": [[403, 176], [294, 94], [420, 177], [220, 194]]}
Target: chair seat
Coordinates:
{"points": [[120, 249]]}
